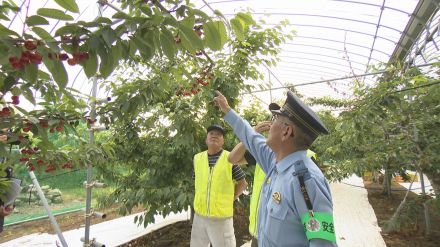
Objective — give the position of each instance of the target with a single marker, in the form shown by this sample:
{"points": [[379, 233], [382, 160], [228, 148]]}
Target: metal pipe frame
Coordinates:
{"points": [[337, 79], [318, 60], [341, 42], [323, 16], [375, 35], [323, 55], [306, 70], [333, 49]]}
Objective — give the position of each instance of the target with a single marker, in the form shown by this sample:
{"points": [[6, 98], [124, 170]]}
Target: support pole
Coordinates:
{"points": [[425, 206], [46, 206], [89, 165]]}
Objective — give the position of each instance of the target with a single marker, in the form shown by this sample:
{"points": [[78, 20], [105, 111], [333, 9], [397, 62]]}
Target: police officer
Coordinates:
{"points": [[296, 207], [217, 184]]}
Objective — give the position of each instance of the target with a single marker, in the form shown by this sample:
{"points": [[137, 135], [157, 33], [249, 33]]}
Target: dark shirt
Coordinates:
{"points": [[250, 160], [237, 172]]}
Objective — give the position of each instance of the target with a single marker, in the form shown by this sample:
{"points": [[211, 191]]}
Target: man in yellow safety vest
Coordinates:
{"points": [[217, 184]]}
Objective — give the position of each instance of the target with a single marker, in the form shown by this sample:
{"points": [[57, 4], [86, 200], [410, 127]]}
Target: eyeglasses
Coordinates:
{"points": [[275, 116]]}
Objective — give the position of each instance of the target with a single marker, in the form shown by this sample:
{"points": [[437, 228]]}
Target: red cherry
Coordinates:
{"points": [[18, 65], [72, 61], [13, 60], [24, 151], [59, 128], [36, 58], [31, 168], [63, 56], [26, 129], [6, 110], [40, 162], [30, 45], [24, 159]]}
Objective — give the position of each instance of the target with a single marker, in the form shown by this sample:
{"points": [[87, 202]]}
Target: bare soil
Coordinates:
{"points": [[178, 234], [414, 234], [66, 222]]}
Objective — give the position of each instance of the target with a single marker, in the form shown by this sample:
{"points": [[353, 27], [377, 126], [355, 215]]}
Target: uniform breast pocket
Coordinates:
{"points": [[277, 210], [274, 228]]}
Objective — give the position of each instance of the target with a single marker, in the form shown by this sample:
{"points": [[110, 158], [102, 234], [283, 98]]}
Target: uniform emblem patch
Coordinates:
{"points": [[276, 196], [313, 225]]}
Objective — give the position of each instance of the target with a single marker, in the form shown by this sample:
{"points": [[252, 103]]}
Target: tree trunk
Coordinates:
{"points": [[434, 179], [387, 182]]}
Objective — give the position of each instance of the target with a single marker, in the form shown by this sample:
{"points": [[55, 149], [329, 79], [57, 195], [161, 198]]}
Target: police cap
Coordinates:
{"points": [[302, 115]]}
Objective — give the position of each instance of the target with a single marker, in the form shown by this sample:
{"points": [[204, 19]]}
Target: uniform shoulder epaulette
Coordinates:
{"points": [[301, 170]]}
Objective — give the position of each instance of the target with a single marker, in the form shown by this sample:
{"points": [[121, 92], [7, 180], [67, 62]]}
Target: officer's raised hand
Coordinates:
{"points": [[262, 126], [221, 101]]}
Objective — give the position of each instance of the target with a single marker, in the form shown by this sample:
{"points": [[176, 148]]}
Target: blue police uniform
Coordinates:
{"points": [[282, 202]]}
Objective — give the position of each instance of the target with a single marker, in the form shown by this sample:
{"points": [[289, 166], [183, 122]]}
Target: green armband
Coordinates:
{"points": [[320, 226]]}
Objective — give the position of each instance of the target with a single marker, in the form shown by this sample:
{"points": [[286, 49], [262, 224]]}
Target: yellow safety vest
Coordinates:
{"points": [[259, 177], [214, 196]]}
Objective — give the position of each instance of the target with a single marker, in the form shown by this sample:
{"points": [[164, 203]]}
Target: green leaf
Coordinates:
{"points": [[31, 72], [43, 75], [67, 29], [106, 66], [246, 18], [121, 15], [36, 20], [69, 5], [168, 43], [237, 27], [199, 13], [109, 36], [27, 93], [8, 82], [4, 31], [144, 48], [90, 65], [146, 9], [54, 14], [103, 20], [59, 73], [215, 35], [190, 40], [43, 34], [4, 17]]}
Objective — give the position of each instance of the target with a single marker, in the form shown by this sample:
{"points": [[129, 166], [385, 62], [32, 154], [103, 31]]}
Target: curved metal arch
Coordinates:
{"points": [[323, 55], [328, 48], [317, 60], [341, 29], [325, 16], [355, 2], [325, 67], [298, 72], [320, 72], [341, 42], [372, 4], [375, 35]]}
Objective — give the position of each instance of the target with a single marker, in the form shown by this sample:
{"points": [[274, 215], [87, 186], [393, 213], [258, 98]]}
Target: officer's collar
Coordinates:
{"points": [[289, 160]]}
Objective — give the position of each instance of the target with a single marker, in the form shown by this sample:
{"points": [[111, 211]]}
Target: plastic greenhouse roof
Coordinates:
{"points": [[334, 39]]}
